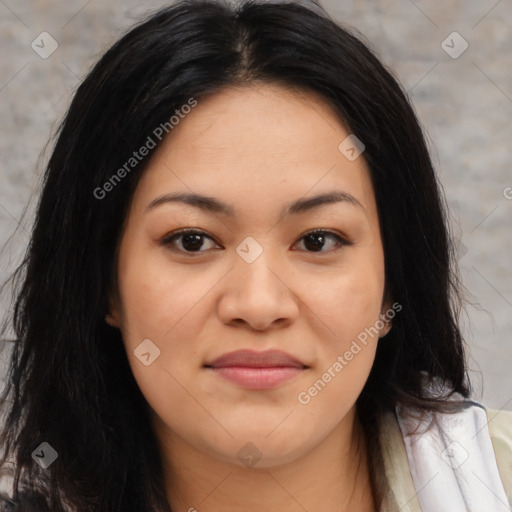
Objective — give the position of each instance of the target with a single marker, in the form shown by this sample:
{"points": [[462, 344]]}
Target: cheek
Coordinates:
{"points": [[158, 300], [167, 314], [350, 307], [161, 306], [350, 299]]}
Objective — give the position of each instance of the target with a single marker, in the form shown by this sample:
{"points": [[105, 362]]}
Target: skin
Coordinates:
{"points": [[257, 149]]}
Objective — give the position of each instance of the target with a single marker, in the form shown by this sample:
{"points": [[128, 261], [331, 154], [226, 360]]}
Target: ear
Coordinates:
{"points": [[386, 317], [112, 316]]}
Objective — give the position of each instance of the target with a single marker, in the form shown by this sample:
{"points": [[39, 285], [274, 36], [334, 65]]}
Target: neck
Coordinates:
{"points": [[335, 474]]}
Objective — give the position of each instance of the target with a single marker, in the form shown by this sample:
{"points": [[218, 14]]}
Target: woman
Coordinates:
{"points": [[240, 292]]}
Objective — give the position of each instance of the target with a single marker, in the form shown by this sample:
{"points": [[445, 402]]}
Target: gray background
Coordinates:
{"points": [[464, 104]]}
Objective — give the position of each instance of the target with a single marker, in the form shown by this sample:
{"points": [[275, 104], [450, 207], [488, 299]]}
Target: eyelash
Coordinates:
{"points": [[169, 239]]}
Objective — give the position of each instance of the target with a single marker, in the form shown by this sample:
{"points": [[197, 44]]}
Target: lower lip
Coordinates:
{"points": [[257, 378]]}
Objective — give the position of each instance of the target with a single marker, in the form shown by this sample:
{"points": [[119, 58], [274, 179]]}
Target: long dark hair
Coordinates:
{"points": [[69, 381]]}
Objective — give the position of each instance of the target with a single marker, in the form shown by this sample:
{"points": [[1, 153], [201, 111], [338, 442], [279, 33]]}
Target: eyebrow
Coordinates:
{"points": [[213, 205]]}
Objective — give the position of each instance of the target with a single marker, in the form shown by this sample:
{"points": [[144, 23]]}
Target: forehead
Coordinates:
{"points": [[262, 143], [240, 122]]}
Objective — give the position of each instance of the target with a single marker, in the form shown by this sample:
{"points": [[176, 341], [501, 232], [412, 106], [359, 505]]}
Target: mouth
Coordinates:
{"points": [[256, 370]]}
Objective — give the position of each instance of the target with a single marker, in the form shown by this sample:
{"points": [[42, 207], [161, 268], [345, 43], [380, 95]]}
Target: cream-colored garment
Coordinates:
{"points": [[402, 496], [500, 430]]}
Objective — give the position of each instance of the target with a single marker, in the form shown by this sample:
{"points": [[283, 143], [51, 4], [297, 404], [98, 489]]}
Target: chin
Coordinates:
{"points": [[259, 450]]}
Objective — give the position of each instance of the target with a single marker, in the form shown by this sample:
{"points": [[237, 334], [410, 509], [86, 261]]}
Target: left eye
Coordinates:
{"points": [[316, 240], [192, 240]]}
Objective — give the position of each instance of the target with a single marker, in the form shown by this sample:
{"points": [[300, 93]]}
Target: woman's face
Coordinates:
{"points": [[252, 279]]}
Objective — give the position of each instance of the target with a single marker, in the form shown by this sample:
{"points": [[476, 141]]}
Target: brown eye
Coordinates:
{"points": [[315, 241], [190, 240]]}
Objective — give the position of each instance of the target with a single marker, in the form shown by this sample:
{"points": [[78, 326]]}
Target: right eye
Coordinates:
{"points": [[191, 240]]}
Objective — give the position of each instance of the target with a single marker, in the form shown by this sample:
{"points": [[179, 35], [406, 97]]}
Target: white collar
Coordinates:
{"points": [[452, 461]]}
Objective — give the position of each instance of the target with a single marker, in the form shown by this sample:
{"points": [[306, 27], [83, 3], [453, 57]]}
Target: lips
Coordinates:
{"points": [[253, 359], [256, 370]]}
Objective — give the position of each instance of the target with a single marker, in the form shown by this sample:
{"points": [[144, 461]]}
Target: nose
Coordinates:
{"points": [[258, 295]]}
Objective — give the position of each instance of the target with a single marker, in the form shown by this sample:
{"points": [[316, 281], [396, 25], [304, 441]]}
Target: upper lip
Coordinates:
{"points": [[255, 359]]}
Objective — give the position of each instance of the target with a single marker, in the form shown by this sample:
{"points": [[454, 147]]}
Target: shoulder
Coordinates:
{"points": [[500, 431]]}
